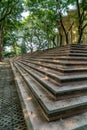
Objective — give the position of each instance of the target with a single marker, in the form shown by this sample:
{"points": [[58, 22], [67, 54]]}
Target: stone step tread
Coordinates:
{"points": [[41, 77], [55, 90], [79, 47], [66, 49], [56, 68], [48, 105], [59, 49], [40, 67], [59, 52], [62, 65], [61, 78], [42, 64], [62, 58], [66, 53], [38, 122], [57, 87], [57, 61]]}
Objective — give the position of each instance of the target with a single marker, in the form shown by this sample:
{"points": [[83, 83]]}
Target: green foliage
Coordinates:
{"points": [[10, 16], [40, 29], [10, 9], [23, 49]]}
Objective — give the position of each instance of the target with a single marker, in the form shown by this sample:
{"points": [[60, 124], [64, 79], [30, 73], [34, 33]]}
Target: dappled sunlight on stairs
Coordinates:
{"points": [[54, 82]]}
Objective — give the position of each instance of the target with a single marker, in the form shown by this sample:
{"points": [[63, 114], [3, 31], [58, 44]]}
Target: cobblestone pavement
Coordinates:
{"points": [[11, 116]]}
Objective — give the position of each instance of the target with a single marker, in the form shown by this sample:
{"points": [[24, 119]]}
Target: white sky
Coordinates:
{"points": [[25, 14]]}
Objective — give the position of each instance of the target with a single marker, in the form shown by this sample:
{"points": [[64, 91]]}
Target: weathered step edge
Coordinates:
{"points": [[48, 126], [62, 80], [61, 70], [53, 115], [22, 98], [60, 94]]}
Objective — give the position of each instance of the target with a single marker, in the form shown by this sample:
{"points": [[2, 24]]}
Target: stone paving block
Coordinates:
{"points": [[9, 102]]}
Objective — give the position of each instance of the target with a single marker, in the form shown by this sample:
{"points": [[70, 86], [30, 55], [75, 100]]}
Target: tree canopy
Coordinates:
{"points": [[40, 29]]}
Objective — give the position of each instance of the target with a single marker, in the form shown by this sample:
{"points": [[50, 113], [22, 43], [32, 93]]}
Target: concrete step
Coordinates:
{"points": [[55, 90], [59, 52], [57, 69], [78, 46], [42, 67], [61, 80], [63, 64], [50, 51], [66, 54], [84, 47], [54, 109], [33, 116], [56, 95], [67, 51], [65, 57], [62, 50], [57, 59]]}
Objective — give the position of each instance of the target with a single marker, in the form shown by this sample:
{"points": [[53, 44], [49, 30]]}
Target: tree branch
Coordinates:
{"points": [[78, 9], [71, 26], [84, 26], [8, 10]]}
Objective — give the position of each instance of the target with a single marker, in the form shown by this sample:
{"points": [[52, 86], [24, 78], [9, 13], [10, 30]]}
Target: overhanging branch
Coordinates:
{"points": [[8, 10]]}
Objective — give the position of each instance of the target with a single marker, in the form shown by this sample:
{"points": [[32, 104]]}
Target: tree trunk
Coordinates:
{"points": [[80, 21], [0, 52], [1, 43], [64, 30], [31, 49], [60, 40], [67, 40], [53, 40], [80, 36]]}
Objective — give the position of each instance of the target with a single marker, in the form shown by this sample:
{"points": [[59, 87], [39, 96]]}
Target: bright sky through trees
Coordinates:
{"points": [[25, 14]]}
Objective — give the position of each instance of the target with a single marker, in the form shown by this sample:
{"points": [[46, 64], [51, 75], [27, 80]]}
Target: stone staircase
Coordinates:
{"points": [[56, 79]]}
